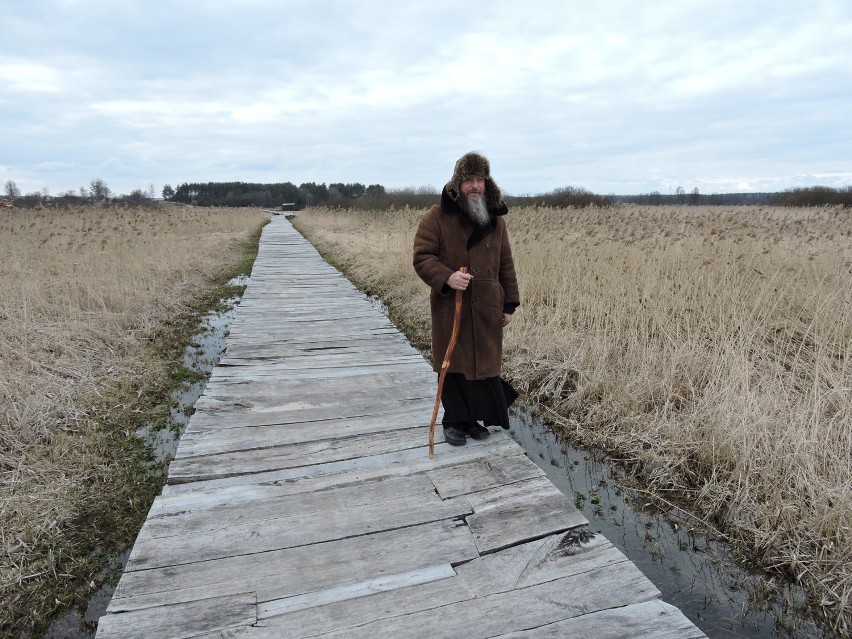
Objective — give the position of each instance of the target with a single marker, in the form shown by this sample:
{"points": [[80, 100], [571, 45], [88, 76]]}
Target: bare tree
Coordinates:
{"points": [[12, 190], [100, 191], [680, 194], [137, 196], [695, 196]]}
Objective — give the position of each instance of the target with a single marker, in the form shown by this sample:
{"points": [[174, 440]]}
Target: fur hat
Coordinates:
{"points": [[471, 165]]}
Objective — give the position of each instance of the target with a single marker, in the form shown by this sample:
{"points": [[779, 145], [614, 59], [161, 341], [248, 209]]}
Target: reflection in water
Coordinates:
{"points": [[693, 571]]}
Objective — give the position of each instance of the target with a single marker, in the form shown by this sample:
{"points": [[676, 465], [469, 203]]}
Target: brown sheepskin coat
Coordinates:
{"points": [[445, 241]]}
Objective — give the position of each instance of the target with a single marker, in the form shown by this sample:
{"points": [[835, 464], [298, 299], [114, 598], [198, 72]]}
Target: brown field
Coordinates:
{"points": [[708, 348], [95, 305]]}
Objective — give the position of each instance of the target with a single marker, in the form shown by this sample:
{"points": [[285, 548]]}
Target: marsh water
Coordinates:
{"points": [[693, 570], [203, 353]]}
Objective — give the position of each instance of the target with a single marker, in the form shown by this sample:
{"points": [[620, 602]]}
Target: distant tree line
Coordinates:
{"points": [[562, 197], [418, 198], [809, 196], [97, 192], [813, 196], [350, 195], [271, 195], [375, 196], [694, 198]]}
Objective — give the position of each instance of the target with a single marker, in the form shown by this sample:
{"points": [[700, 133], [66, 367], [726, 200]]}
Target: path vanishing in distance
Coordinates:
{"points": [[302, 501]]}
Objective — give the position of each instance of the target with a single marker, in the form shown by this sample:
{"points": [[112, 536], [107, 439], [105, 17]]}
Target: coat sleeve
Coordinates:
{"points": [[427, 246], [508, 277]]}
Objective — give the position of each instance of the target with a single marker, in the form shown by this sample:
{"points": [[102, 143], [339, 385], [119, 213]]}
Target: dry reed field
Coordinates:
{"points": [[708, 348], [91, 299]]}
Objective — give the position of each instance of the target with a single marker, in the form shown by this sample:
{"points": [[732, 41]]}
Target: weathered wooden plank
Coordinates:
{"points": [[183, 620], [317, 620], [380, 378], [519, 567], [520, 512], [482, 474], [539, 561], [306, 336], [293, 410], [307, 353], [228, 633], [285, 409], [268, 320], [645, 620], [372, 418], [264, 496], [208, 441], [345, 593], [389, 381], [273, 522], [295, 571], [282, 306], [304, 453], [316, 325], [301, 364], [494, 615], [282, 373], [261, 345], [365, 320], [320, 476]]}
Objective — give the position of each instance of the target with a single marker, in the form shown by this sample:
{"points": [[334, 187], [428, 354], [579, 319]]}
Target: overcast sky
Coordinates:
{"points": [[612, 96]]}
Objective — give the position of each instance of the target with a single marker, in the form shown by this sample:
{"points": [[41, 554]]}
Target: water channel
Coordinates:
{"points": [[203, 353], [692, 570]]}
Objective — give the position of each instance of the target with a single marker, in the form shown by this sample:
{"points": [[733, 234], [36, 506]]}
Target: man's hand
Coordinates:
{"points": [[459, 281], [506, 319]]}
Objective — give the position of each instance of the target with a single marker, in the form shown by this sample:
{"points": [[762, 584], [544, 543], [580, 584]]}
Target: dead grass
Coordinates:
{"points": [[709, 348], [90, 299]]}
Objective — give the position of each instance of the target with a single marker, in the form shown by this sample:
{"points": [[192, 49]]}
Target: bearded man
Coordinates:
{"points": [[468, 229]]}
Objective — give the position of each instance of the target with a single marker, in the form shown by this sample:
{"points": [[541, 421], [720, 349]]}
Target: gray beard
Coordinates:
{"points": [[477, 211]]}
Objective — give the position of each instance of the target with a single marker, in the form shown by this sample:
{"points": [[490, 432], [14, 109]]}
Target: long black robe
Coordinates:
{"points": [[485, 400]]}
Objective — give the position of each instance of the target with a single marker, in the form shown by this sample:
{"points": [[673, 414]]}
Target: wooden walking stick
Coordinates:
{"points": [[443, 374]]}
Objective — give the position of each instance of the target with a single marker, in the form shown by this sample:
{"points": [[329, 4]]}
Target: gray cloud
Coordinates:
{"points": [[619, 98]]}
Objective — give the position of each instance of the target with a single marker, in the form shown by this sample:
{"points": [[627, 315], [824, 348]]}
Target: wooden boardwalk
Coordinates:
{"points": [[302, 502]]}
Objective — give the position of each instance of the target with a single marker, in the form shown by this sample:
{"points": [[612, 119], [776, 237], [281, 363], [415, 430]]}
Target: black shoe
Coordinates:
{"points": [[454, 435], [476, 431]]}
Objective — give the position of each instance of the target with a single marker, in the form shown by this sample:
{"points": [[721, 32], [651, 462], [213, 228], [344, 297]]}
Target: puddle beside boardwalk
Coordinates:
{"points": [[201, 356], [694, 573], [81, 624]]}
